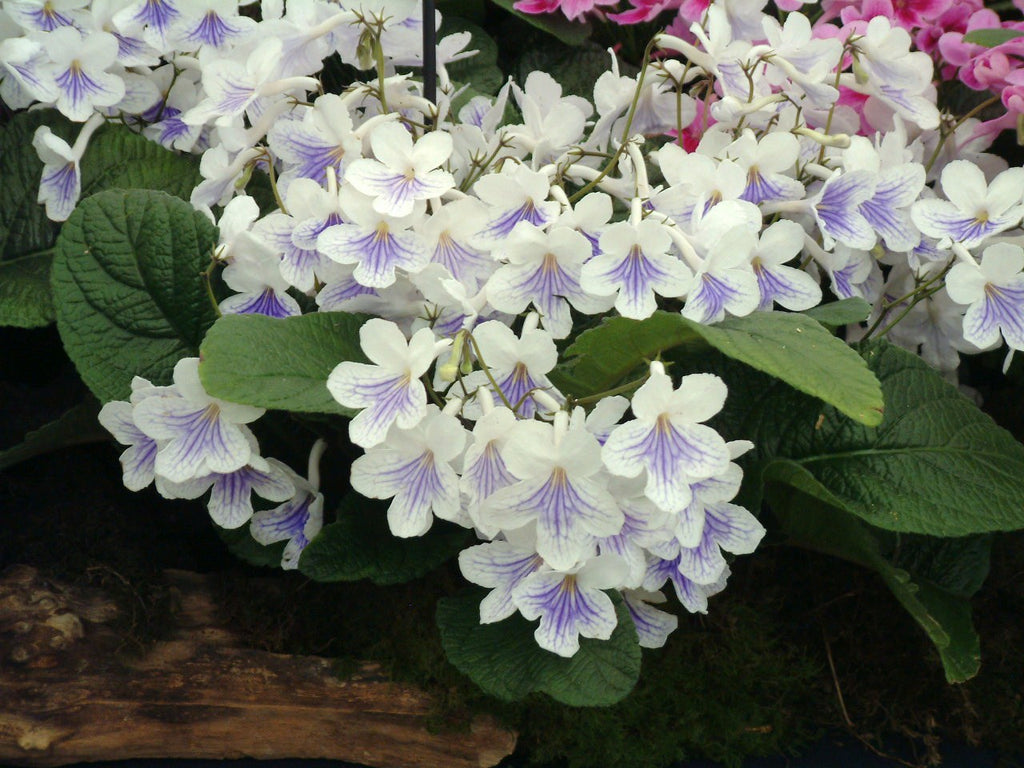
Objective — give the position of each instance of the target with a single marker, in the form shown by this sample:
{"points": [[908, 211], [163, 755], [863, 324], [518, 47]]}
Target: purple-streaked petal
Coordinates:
{"points": [[791, 288], [566, 611], [267, 302], [652, 625], [500, 566]]}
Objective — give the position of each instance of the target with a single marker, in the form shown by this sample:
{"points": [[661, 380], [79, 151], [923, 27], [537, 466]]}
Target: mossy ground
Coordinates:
{"points": [[797, 646]]}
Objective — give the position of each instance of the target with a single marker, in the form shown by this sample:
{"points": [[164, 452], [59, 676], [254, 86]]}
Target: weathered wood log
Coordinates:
{"points": [[67, 695]]}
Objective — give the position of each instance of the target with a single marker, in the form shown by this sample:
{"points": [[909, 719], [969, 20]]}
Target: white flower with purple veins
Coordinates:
{"points": [[295, 236], [500, 566], [837, 209], [973, 209], [635, 265], [79, 69], [230, 504], [484, 470], [23, 65], [994, 294], [789, 287], [652, 626], [726, 527], [645, 525], [138, 461], [518, 365], [403, 172], [46, 15], [850, 271], [414, 468], [377, 243], [697, 183], [658, 107], [167, 128], [321, 139], [689, 523], [198, 434], [450, 231], [571, 605], [299, 519], [390, 390], [151, 17], [895, 75], [61, 182], [590, 217], [898, 185], [210, 23], [768, 163], [232, 87], [725, 282], [798, 57], [693, 596], [220, 171], [668, 439], [543, 269], [561, 486], [514, 195], [255, 272]]}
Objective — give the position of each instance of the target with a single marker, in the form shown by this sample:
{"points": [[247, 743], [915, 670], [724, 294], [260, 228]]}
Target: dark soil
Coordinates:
{"points": [[798, 646]]}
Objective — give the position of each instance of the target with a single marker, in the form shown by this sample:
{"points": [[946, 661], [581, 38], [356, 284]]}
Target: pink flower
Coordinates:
{"points": [[909, 14], [573, 9], [643, 10]]}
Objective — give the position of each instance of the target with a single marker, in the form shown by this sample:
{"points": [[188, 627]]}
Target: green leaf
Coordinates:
{"points": [[556, 24], [936, 465], [602, 357], [127, 287], [792, 348], [78, 426], [944, 615], [25, 297], [24, 228], [990, 38], [359, 545], [506, 662], [839, 313], [958, 565], [280, 363], [116, 157]]}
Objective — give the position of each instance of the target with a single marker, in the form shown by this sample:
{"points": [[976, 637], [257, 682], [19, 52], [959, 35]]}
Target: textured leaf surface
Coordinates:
{"points": [[506, 662], [944, 615], [116, 157], [129, 296], [280, 363], [24, 228], [359, 545], [792, 348], [936, 465], [25, 297], [842, 312]]}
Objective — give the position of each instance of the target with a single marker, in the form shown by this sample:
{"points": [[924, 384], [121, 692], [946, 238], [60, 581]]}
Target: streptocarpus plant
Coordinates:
{"points": [[551, 337]]}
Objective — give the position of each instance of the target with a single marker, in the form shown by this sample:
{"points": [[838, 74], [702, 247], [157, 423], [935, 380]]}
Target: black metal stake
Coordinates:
{"points": [[429, 52]]}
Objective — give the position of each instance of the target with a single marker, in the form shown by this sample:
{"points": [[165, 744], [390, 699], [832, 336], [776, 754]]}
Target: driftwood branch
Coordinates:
{"points": [[67, 695]]}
